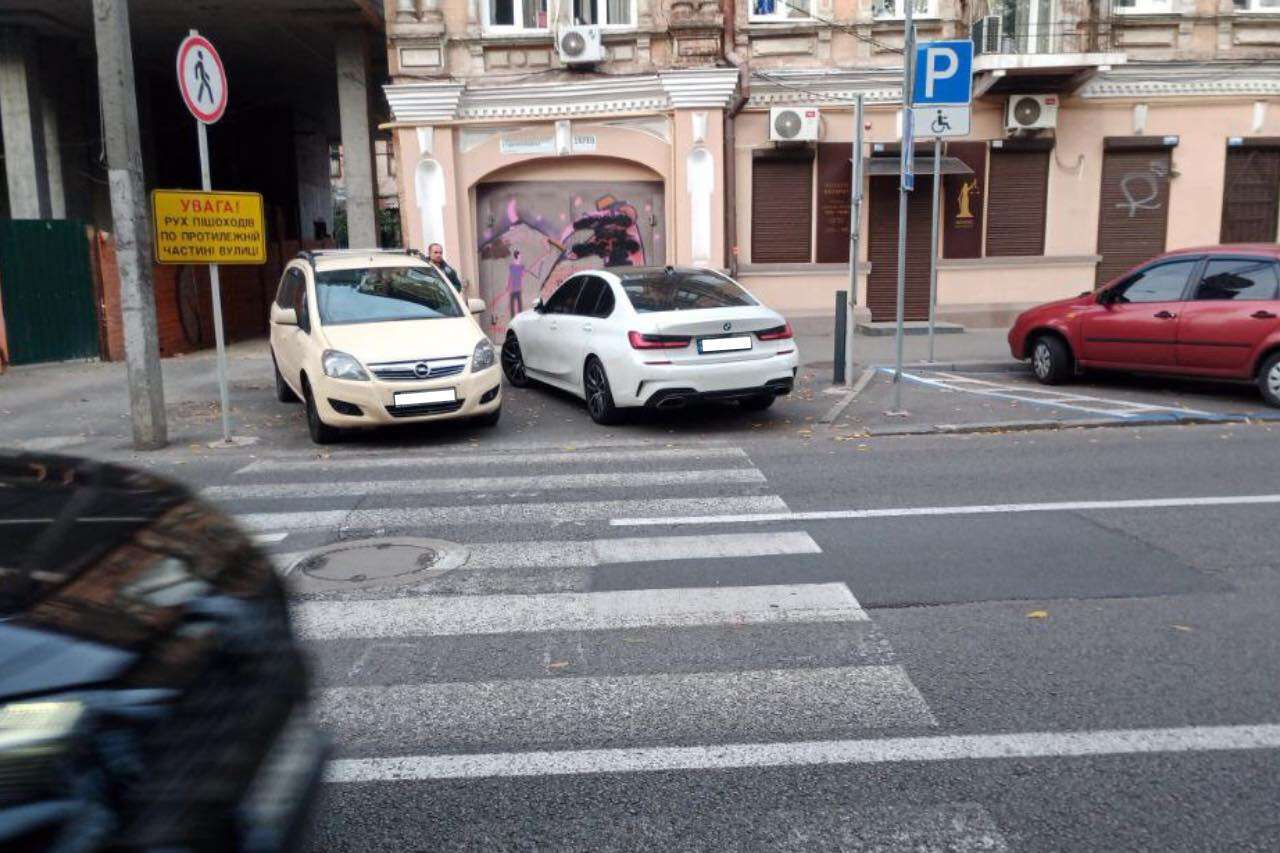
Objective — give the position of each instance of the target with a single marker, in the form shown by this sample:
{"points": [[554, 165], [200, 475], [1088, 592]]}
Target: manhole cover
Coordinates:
{"points": [[376, 562]]}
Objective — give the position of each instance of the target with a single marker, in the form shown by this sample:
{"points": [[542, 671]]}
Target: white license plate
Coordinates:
{"points": [[419, 398], [724, 344]]}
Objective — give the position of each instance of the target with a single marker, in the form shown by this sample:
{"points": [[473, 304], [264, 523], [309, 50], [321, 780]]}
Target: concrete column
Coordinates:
{"points": [[118, 96], [357, 142], [20, 114], [53, 158]]}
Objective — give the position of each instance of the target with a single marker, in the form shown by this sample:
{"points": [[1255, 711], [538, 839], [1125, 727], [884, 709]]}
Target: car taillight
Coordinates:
{"points": [[640, 340], [777, 333]]}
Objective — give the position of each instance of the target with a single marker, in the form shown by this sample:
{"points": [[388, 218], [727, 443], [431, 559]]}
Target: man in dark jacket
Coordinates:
{"points": [[436, 254]]}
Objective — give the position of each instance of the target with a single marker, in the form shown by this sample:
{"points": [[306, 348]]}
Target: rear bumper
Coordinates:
{"points": [[643, 382], [677, 398]]}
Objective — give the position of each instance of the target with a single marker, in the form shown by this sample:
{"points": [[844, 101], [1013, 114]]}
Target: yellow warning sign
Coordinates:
{"points": [[194, 227]]}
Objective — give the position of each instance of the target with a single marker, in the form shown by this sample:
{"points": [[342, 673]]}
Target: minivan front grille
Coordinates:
{"points": [[413, 371]]}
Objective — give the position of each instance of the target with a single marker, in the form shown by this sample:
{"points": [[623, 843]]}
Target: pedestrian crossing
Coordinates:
{"points": [[509, 676]]}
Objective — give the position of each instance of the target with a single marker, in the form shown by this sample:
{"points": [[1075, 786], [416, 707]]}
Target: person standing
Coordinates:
{"points": [[435, 252], [515, 284]]}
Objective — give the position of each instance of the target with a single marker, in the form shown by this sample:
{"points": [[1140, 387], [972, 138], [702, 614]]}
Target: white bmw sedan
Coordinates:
{"points": [[655, 337]]}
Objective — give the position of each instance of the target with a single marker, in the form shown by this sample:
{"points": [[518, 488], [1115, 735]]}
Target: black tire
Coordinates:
{"points": [[513, 362], [1269, 379], [489, 419], [284, 393], [321, 432], [595, 385], [1051, 360], [758, 403]]}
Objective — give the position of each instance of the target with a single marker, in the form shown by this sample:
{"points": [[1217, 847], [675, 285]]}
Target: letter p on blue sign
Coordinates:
{"points": [[943, 73]]}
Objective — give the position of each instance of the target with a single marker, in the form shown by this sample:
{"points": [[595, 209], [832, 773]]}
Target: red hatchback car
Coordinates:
{"points": [[1210, 312]]}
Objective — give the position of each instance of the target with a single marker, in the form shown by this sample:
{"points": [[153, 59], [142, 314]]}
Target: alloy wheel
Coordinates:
{"points": [[1042, 360], [513, 361], [1273, 379], [597, 388]]}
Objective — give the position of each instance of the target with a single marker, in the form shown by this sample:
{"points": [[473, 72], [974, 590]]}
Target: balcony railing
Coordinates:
{"points": [[995, 34]]}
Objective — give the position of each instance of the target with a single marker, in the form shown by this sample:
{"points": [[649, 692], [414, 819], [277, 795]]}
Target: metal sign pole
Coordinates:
{"points": [[933, 240], [216, 290], [855, 238], [908, 153]]}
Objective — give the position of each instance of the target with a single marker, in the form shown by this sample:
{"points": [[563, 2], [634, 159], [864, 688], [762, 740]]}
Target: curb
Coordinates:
{"points": [[1169, 419], [843, 403], [963, 366]]}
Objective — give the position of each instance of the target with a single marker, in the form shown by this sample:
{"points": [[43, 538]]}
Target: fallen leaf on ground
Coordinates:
{"points": [[1038, 614], [1183, 628], [557, 664]]}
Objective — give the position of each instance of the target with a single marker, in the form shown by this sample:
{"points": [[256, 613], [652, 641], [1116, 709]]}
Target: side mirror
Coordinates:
{"points": [[284, 316], [538, 306], [476, 306]]}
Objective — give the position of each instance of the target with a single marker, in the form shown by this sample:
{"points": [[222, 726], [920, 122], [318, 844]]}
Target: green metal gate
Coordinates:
{"points": [[46, 287]]}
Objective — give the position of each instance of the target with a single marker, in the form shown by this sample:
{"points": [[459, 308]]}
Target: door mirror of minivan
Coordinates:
{"points": [[284, 316], [538, 306], [476, 306]]}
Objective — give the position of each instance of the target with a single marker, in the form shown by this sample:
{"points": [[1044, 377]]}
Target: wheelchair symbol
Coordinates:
{"points": [[940, 123]]}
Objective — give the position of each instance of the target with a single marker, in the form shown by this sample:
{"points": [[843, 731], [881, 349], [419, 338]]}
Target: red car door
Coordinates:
{"points": [[1135, 323], [1233, 308]]}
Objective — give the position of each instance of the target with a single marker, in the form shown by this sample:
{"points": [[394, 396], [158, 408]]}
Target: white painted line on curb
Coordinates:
{"points": [[1027, 745], [438, 616], [463, 459], [910, 512], [434, 517], [536, 483]]}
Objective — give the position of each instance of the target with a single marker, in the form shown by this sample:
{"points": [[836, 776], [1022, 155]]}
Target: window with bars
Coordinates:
{"points": [[781, 10], [605, 13], [896, 9], [1142, 7], [517, 15]]}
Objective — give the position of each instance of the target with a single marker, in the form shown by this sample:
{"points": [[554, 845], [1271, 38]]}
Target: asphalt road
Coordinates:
{"points": [[612, 651]]}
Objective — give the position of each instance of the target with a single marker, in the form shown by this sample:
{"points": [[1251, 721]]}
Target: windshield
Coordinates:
{"points": [[680, 291], [383, 294]]}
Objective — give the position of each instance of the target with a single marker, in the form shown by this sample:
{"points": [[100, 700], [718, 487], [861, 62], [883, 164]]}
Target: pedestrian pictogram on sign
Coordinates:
{"points": [[202, 79]]}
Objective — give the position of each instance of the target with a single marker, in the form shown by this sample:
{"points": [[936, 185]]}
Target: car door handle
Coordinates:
{"points": [[1164, 315], [1263, 315], [586, 327]]}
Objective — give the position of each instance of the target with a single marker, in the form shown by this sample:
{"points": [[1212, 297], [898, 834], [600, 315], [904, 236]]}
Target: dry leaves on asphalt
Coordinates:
{"points": [[1038, 614]]}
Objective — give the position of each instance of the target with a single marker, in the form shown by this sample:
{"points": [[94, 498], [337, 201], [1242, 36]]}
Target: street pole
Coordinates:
{"points": [[855, 238], [933, 241], [905, 161], [132, 225], [215, 287]]}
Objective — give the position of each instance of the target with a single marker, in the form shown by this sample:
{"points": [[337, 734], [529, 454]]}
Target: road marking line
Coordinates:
{"points": [[536, 483], [454, 716], [461, 459], [553, 556], [527, 513], [268, 538], [596, 552], [1026, 745], [980, 509], [1016, 392], [437, 616]]}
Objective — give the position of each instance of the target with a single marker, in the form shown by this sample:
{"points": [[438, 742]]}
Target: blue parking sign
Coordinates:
{"points": [[943, 73]]}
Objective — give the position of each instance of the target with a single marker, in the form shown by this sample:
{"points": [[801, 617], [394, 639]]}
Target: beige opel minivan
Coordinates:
{"points": [[367, 338]]}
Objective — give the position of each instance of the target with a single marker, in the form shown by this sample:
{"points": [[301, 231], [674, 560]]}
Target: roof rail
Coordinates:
{"points": [[309, 257]]}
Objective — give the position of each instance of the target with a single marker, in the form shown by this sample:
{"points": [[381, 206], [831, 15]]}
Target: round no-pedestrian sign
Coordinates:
{"points": [[202, 79]]}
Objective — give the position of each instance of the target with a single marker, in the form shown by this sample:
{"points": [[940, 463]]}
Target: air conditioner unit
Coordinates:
{"points": [[580, 45], [986, 33], [1031, 112], [793, 124]]}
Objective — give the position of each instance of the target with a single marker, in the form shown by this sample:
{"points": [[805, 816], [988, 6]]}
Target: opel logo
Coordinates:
{"points": [[728, 326], [422, 370]]}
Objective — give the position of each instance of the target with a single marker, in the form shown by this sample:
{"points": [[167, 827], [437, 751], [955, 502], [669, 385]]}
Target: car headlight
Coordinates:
{"points": [[36, 730], [483, 356], [339, 365]]}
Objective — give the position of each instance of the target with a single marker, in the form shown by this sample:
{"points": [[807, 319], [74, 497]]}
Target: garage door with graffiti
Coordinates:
{"points": [[535, 234]]}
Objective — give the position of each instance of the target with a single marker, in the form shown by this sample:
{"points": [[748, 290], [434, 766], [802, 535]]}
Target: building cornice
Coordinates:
{"points": [[782, 87], [427, 103], [1173, 80]]}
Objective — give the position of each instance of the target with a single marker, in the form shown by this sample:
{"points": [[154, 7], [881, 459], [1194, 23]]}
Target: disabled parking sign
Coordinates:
{"points": [[943, 73]]}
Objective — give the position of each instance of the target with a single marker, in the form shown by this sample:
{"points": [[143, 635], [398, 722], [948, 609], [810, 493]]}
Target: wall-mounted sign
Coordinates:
{"points": [[527, 144], [193, 227], [584, 143]]}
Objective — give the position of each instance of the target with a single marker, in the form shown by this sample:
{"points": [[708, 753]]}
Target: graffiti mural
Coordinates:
{"points": [[535, 234]]}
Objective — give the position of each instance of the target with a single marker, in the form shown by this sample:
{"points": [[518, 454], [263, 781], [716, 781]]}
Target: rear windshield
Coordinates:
{"points": [[682, 291], [383, 294]]}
